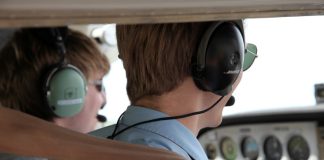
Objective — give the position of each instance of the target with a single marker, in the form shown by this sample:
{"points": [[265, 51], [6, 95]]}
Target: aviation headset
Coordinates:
{"points": [[216, 66], [219, 58], [63, 85]]}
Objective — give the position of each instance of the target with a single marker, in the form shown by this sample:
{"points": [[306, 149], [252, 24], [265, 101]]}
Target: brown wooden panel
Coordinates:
{"points": [[24, 135], [64, 12]]}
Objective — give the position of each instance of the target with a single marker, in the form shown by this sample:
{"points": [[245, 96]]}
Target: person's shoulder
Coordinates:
{"points": [[161, 143], [103, 132], [148, 138]]}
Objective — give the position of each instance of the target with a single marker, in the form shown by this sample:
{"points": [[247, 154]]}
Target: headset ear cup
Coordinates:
{"points": [[198, 76], [220, 57], [65, 90]]}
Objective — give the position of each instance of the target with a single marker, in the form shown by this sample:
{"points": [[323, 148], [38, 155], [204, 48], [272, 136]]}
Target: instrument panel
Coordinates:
{"points": [[266, 141]]}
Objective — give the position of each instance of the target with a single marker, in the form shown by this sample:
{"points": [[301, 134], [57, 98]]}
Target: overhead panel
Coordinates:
{"points": [[17, 13]]}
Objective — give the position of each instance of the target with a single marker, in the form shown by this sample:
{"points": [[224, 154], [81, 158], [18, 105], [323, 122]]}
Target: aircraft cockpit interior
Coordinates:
{"points": [[277, 111]]}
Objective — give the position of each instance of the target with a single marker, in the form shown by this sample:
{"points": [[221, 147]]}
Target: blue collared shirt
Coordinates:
{"points": [[169, 134]]}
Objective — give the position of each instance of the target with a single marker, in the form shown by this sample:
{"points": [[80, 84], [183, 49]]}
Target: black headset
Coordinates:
{"points": [[219, 58], [63, 85]]}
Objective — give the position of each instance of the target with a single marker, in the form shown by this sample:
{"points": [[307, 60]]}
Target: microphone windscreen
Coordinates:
{"points": [[101, 118], [230, 101]]}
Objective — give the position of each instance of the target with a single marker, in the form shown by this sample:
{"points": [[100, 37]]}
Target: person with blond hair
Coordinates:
{"points": [[31, 63]]}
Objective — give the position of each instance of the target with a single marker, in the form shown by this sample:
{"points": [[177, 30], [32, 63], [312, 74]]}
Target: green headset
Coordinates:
{"points": [[64, 86]]}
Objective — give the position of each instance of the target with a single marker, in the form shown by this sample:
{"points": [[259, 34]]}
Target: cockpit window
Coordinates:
{"points": [[290, 63]]}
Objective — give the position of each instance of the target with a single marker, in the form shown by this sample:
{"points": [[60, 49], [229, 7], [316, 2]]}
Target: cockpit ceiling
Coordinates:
{"points": [[29, 13]]}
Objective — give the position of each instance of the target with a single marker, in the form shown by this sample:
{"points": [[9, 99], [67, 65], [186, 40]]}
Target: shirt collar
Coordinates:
{"points": [[175, 130]]}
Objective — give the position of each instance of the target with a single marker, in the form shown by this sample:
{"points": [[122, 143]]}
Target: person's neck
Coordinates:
{"points": [[184, 99]]}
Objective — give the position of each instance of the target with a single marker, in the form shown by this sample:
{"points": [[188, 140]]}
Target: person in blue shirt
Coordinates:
{"points": [[179, 78]]}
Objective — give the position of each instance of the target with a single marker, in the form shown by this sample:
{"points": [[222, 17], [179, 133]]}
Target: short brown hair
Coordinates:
{"points": [[157, 57], [24, 60]]}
